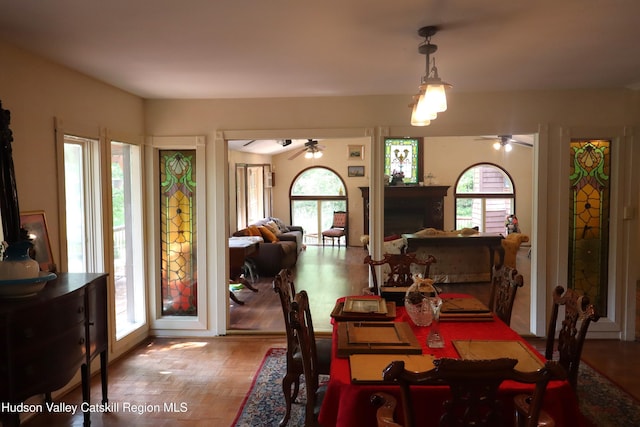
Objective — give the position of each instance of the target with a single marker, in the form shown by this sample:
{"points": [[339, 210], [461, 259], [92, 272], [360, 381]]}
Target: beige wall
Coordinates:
{"points": [[36, 91], [335, 158], [555, 116]]}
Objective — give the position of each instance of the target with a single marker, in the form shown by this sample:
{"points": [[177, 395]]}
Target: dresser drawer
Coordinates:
{"points": [[40, 323], [34, 372]]}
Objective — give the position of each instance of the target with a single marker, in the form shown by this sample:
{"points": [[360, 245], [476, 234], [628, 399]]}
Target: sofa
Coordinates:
{"points": [[280, 245], [458, 264]]}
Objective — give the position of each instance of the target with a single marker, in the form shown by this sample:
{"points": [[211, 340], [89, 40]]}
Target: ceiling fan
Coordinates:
{"points": [[506, 142], [311, 150]]}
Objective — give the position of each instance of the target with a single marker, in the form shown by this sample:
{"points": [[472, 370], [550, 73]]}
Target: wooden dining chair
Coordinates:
{"points": [[339, 227], [400, 272], [284, 286], [505, 282], [302, 323], [578, 315], [474, 384]]}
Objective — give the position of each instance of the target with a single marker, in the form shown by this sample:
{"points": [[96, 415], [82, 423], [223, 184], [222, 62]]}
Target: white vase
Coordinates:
{"points": [[17, 264]]}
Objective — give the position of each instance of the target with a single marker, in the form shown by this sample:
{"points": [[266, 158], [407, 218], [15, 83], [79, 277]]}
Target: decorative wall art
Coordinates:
{"points": [[356, 152], [354, 171], [403, 159], [35, 225]]}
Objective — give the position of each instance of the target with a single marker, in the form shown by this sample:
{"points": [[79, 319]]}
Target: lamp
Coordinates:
{"points": [[503, 142], [312, 153], [431, 98]]}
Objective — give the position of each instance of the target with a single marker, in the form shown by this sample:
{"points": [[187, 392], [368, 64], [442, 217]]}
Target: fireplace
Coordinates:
{"points": [[409, 208]]}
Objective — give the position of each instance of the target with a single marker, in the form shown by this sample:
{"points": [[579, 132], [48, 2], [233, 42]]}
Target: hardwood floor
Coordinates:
{"points": [[330, 273], [212, 376]]}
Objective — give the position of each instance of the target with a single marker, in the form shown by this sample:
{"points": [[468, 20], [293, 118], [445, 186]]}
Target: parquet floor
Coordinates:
{"points": [[211, 376]]}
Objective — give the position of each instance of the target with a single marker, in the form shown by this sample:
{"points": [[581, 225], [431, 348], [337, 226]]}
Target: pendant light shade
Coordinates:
{"points": [[431, 98]]}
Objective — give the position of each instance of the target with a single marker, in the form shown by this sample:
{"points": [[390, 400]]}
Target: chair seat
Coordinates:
{"points": [[334, 232], [323, 346]]}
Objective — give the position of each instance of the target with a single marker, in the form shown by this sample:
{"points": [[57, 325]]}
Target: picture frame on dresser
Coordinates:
{"points": [[404, 155], [35, 225]]}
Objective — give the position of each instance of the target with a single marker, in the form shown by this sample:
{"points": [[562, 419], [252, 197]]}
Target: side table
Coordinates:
{"points": [[239, 249]]}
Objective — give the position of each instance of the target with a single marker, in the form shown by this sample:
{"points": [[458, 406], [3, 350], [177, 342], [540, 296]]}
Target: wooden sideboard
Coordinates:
{"points": [[48, 337], [409, 208]]}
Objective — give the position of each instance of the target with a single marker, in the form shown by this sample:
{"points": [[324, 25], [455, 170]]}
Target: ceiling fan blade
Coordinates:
{"points": [[249, 143], [523, 143], [297, 153]]}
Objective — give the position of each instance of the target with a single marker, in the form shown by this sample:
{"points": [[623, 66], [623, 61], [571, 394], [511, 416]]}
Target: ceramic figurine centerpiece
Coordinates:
{"points": [[417, 300]]}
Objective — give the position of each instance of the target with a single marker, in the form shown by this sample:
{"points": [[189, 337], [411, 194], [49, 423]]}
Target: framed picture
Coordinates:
{"points": [[35, 224], [356, 152], [355, 171], [403, 157]]}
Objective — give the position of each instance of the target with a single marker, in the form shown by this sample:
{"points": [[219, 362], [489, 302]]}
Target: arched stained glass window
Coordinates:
{"points": [[484, 197], [178, 232]]}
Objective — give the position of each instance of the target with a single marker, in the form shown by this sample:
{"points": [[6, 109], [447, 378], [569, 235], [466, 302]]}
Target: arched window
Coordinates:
{"points": [[484, 197], [315, 194]]}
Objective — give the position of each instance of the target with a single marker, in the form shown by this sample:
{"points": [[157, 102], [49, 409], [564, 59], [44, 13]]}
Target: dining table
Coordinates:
{"points": [[347, 403]]}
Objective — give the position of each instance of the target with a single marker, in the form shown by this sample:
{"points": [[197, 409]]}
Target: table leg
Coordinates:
{"points": [[246, 283], [234, 298]]}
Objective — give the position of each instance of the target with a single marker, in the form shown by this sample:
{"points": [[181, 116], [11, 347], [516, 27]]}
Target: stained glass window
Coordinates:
{"points": [[403, 157], [589, 220], [178, 232]]}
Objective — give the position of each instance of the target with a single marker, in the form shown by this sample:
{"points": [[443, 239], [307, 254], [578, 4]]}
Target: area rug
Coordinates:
{"points": [[264, 404], [602, 402]]}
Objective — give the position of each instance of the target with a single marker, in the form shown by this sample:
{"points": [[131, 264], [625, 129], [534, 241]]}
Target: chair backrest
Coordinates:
{"points": [[303, 325], [571, 336], [339, 219], [505, 282], [283, 285], [400, 273], [474, 389]]}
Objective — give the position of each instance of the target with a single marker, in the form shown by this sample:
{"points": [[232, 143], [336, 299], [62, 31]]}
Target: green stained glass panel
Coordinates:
{"points": [[178, 232], [589, 220]]}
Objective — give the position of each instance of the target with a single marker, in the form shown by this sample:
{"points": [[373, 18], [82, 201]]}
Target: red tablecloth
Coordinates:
{"points": [[348, 405]]}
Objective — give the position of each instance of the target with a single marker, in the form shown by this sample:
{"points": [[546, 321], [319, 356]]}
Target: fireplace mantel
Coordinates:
{"points": [[409, 208]]}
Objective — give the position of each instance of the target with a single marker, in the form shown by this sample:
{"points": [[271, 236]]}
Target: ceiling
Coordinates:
{"points": [[293, 48], [274, 146]]}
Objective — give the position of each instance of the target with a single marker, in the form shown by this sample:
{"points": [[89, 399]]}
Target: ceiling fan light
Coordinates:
{"points": [[317, 154], [508, 147], [308, 155], [497, 145]]}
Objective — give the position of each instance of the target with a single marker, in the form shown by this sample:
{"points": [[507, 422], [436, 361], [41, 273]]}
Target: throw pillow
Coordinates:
{"points": [[253, 231], [273, 227], [267, 235], [281, 225]]}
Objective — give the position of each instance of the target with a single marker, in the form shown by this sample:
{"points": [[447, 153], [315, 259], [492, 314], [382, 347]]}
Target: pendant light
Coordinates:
{"points": [[431, 98]]}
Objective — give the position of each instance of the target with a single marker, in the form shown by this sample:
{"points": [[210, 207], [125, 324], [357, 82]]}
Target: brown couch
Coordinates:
{"points": [[280, 253]]}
